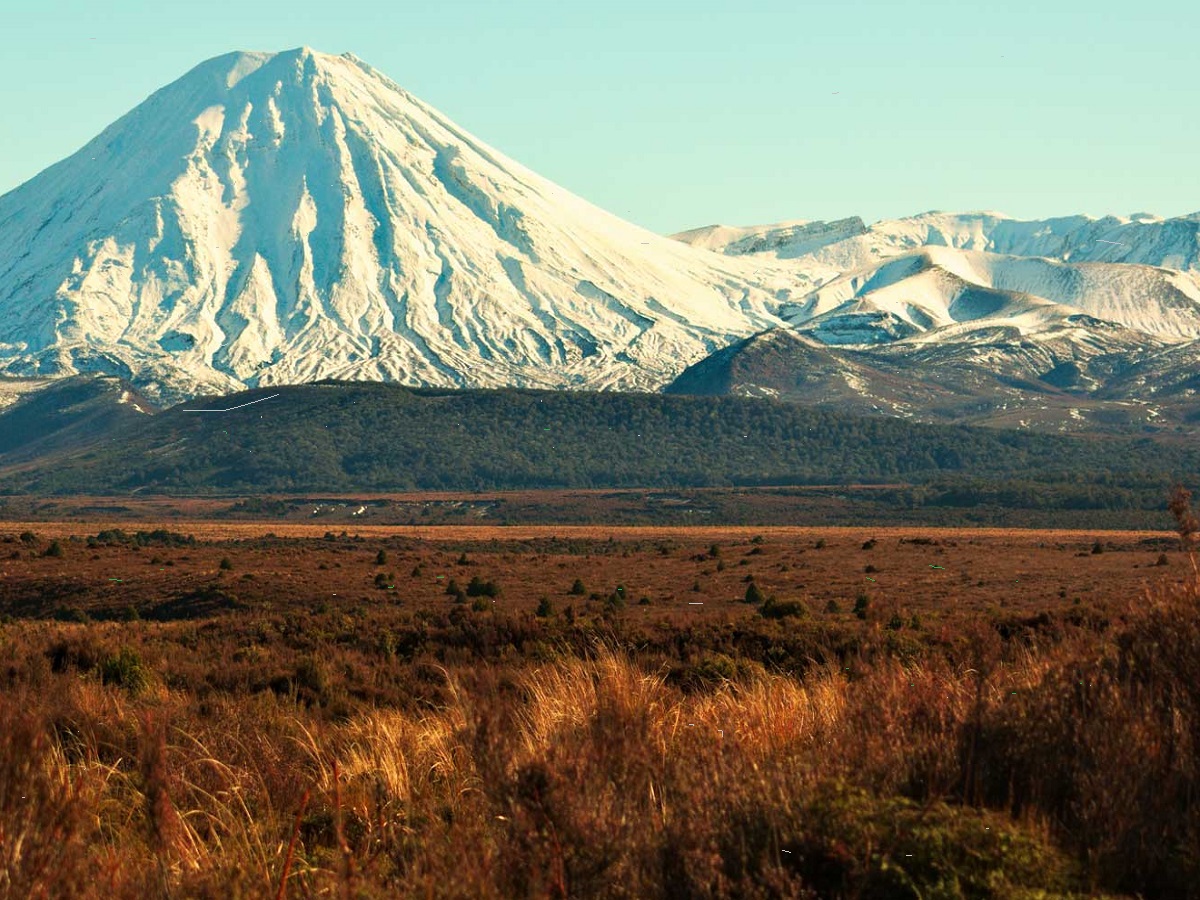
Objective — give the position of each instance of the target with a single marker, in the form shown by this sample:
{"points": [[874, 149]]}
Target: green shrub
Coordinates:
{"points": [[850, 842], [55, 549], [577, 589], [480, 588], [125, 669], [545, 609], [754, 594], [714, 668], [226, 565], [312, 675], [782, 609]]}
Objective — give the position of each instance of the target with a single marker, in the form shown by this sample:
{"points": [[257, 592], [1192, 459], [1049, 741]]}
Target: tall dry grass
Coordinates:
{"points": [[991, 769]]}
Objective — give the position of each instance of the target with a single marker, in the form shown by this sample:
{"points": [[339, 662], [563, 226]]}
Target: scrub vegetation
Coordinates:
{"points": [[383, 744]]}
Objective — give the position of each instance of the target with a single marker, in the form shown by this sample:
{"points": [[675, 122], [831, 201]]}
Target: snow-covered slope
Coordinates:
{"points": [[285, 217], [926, 290], [785, 240], [1139, 238]]}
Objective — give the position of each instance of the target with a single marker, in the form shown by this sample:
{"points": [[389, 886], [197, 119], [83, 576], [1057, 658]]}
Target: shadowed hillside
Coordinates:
{"points": [[361, 436]]}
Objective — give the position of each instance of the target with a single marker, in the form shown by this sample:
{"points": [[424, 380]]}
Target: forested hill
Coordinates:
{"points": [[337, 436]]}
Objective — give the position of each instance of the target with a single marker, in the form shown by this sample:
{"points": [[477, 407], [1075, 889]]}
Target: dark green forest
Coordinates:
{"points": [[375, 437]]}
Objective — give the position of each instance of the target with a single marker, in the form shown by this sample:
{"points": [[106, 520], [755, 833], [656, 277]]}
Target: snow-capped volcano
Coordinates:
{"points": [[274, 218], [281, 218]]}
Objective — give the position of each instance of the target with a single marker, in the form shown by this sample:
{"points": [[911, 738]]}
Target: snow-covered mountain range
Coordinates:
{"points": [[1064, 323], [279, 218]]}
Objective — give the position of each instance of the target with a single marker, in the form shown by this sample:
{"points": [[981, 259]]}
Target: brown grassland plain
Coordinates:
{"points": [[203, 709]]}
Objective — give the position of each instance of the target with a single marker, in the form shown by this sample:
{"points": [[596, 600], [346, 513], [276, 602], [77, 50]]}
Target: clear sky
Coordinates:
{"points": [[680, 114]]}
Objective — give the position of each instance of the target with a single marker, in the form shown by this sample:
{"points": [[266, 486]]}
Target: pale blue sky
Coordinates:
{"points": [[680, 114]]}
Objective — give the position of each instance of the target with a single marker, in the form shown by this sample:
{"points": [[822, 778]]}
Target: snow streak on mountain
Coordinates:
{"points": [[282, 218]]}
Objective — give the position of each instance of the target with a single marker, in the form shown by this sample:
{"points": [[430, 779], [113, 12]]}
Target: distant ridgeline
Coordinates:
{"points": [[337, 436]]}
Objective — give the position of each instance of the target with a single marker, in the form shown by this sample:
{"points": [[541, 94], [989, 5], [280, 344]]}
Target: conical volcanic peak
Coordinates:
{"points": [[286, 217]]}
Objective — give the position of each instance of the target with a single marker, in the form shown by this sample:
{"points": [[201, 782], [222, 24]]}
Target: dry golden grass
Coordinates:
{"points": [[283, 753], [209, 530]]}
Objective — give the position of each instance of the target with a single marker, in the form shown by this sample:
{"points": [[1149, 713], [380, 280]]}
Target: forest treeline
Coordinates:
{"points": [[357, 436]]}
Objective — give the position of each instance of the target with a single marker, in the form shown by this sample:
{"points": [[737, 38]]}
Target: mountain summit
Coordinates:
{"points": [[276, 218]]}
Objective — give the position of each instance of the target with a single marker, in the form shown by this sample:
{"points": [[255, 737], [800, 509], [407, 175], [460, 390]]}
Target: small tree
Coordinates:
{"points": [[545, 609], [754, 594], [381, 558], [226, 565], [55, 549], [861, 604], [577, 589], [1180, 505]]}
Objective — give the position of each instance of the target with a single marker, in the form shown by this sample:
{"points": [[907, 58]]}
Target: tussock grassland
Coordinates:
{"points": [[225, 758], [1011, 772]]}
